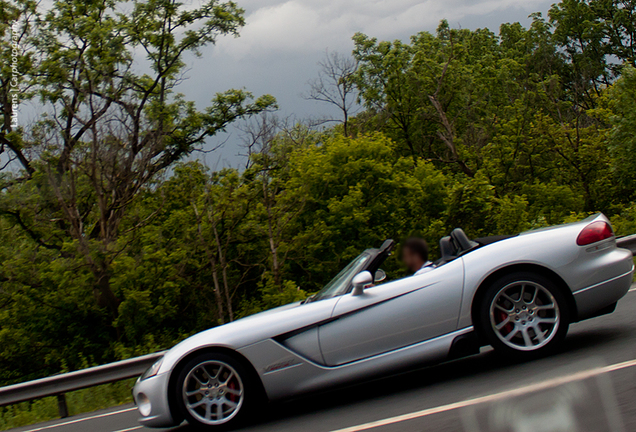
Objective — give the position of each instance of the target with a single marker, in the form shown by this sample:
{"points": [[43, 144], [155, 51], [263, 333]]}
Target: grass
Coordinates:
{"points": [[80, 401]]}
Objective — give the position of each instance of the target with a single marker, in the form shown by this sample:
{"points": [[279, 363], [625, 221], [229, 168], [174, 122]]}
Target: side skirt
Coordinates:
{"points": [[285, 373]]}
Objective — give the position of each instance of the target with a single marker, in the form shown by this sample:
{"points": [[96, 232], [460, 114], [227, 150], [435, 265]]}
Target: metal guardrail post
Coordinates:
{"points": [[61, 405]]}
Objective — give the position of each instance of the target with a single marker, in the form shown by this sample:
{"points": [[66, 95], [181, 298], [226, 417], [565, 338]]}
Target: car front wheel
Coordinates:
{"points": [[214, 392], [524, 315]]}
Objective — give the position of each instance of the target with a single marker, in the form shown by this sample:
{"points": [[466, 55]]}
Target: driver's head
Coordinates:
{"points": [[414, 253]]}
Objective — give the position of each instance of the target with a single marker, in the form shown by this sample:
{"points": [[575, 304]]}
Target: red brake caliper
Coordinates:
{"points": [[232, 386], [502, 316]]}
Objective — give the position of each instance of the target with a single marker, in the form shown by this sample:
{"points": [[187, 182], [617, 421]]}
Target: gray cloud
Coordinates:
{"points": [[307, 25], [283, 40], [279, 47]]}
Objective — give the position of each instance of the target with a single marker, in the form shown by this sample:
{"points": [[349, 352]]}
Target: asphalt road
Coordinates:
{"points": [[589, 386]]}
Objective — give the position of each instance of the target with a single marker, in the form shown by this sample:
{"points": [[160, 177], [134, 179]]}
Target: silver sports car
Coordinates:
{"points": [[517, 293]]}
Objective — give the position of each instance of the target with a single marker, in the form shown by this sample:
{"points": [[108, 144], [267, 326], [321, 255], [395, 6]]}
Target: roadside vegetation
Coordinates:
{"points": [[80, 401], [112, 245]]}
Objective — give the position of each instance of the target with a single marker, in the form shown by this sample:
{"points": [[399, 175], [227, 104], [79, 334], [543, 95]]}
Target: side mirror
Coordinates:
{"points": [[361, 280], [380, 275]]}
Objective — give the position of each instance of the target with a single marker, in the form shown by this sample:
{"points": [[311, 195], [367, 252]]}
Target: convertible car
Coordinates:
{"points": [[517, 293]]}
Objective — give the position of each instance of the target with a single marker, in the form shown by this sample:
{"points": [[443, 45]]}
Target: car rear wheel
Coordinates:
{"points": [[524, 315], [214, 392]]}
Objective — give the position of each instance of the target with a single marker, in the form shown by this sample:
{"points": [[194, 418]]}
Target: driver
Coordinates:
{"points": [[415, 256]]}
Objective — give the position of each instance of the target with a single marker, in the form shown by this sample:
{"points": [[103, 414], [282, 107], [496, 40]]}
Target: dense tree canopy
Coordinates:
{"points": [[112, 246]]}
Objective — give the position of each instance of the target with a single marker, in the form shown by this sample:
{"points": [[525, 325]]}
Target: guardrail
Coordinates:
{"points": [[58, 385], [627, 242]]}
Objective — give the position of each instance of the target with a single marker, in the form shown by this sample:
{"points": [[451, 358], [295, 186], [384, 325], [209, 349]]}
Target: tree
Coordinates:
{"points": [[258, 134], [383, 87], [108, 135], [335, 85], [598, 36], [227, 202], [277, 206], [114, 131], [439, 95], [358, 193], [620, 102], [18, 58]]}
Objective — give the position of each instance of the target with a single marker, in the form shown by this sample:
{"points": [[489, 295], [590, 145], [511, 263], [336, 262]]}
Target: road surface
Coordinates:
{"points": [[588, 386]]}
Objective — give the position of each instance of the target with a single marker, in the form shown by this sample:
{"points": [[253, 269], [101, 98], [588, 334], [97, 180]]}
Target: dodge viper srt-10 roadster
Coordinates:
{"points": [[517, 293]]}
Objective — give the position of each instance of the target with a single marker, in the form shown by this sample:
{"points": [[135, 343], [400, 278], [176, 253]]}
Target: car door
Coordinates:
{"points": [[393, 315]]}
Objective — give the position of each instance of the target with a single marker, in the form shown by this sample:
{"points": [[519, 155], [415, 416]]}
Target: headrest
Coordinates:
{"points": [[446, 248], [461, 240]]}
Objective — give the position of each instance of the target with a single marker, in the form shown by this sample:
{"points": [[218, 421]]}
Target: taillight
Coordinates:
{"points": [[594, 232]]}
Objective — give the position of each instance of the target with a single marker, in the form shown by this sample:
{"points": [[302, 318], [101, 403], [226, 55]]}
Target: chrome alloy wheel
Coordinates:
{"points": [[213, 392], [525, 316]]}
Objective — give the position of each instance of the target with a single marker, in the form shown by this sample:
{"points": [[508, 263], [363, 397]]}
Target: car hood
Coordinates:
{"points": [[252, 329], [263, 314]]}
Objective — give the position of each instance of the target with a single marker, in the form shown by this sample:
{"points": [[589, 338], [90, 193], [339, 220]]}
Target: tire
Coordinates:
{"points": [[524, 315], [215, 392]]}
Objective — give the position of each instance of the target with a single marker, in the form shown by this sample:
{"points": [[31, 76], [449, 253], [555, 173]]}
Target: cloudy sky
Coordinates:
{"points": [[283, 40]]}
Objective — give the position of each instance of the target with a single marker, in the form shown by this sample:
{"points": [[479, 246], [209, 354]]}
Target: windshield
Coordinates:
{"points": [[341, 283]]}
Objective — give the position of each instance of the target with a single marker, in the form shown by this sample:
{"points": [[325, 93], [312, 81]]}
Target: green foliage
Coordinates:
{"points": [[89, 273], [621, 99], [358, 193], [594, 34], [111, 246], [625, 221], [270, 295]]}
